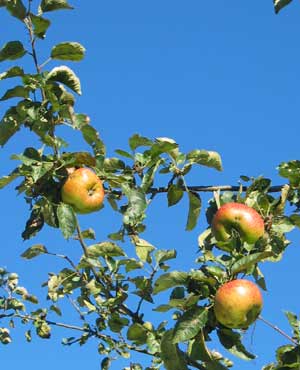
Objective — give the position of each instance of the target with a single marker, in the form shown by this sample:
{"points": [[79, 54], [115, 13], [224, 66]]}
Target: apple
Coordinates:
{"points": [[83, 190], [237, 216], [238, 303]]}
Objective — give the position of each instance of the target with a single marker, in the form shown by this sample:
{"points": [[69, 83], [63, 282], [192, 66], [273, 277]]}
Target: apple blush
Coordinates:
{"points": [[237, 216], [238, 304]]}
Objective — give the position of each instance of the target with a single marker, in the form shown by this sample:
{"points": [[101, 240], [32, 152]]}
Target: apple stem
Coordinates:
{"points": [[278, 330]]}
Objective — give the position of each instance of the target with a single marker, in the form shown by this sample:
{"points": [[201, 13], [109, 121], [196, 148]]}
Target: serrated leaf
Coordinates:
{"points": [[68, 51], [12, 50], [175, 194], [279, 4], [105, 249], [194, 210], [189, 324], [169, 280], [143, 249], [66, 76], [66, 220], [40, 25], [15, 92], [206, 158], [12, 72], [170, 354], [34, 251], [248, 261], [232, 342], [16, 9], [51, 5]]}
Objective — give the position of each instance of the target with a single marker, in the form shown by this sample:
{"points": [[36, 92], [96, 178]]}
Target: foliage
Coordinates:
{"points": [[101, 284]]}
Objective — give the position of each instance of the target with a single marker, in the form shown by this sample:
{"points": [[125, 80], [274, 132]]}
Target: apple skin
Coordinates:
{"points": [[246, 220], [83, 190], [238, 303]]}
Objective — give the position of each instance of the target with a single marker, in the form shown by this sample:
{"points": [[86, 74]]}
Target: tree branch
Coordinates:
{"points": [[278, 330]]}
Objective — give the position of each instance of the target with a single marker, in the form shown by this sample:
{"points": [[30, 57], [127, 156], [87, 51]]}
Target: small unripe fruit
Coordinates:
{"points": [[238, 303], [236, 216]]}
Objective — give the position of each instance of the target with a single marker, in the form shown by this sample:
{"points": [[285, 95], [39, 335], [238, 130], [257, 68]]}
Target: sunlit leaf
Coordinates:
{"points": [[68, 51], [12, 50], [170, 353], [66, 76], [51, 5], [34, 251], [66, 219], [169, 280]]}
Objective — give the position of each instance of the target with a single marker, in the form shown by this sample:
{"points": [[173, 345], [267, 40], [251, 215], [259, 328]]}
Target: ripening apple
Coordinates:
{"points": [[238, 303], [236, 216], [83, 190]]}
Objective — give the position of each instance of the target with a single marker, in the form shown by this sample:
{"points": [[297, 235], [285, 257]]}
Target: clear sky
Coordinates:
{"points": [[216, 75]]}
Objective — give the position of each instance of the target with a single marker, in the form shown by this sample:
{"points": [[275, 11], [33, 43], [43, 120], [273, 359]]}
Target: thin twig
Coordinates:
{"points": [[278, 330]]}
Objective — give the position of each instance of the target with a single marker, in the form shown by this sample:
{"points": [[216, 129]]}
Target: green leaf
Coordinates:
{"points": [[123, 153], [51, 5], [189, 324], [169, 280], [91, 136], [12, 50], [137, 333], [279, 4], [194, 210], [295, 324], [175, 193], [165, 255], [105, 249], [136, 141], [105, 363], [12, 72], [5, 180], [43, 330], [291, 171], [136, 206], [34, 251], [248, 261], [143, 249], [88, 234], [68, 51], [205, 158], [16, 92], [66, 76], [232, 342], [40, 25], [117, 323], [170, 354], [16, 9], [66, 219]]}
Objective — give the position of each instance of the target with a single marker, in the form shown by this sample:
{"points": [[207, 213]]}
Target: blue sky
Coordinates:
{"points": [[214, 75]]}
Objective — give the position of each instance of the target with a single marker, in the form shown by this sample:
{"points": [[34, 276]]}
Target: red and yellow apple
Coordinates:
{"points": [[237, 216], [83, 190], [238, 303]]}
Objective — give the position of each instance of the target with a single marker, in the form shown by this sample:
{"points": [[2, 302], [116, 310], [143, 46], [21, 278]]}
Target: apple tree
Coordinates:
{"points": [[246, 225]]}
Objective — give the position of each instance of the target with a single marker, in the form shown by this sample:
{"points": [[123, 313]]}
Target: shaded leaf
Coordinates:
{"points": [[137, 205], [194, 210], [12, 72], [189, 324], [175, 193], [248, 261], [68, 51], [232, 342], [12, 50], [279, 4], [5, 180], [16, 9], [165, 255], [15, 92], [34, 251], [51, 5], [137, 333], [91, 136], [169, 280], [170, 354], [40, 25], [66, 219]]}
